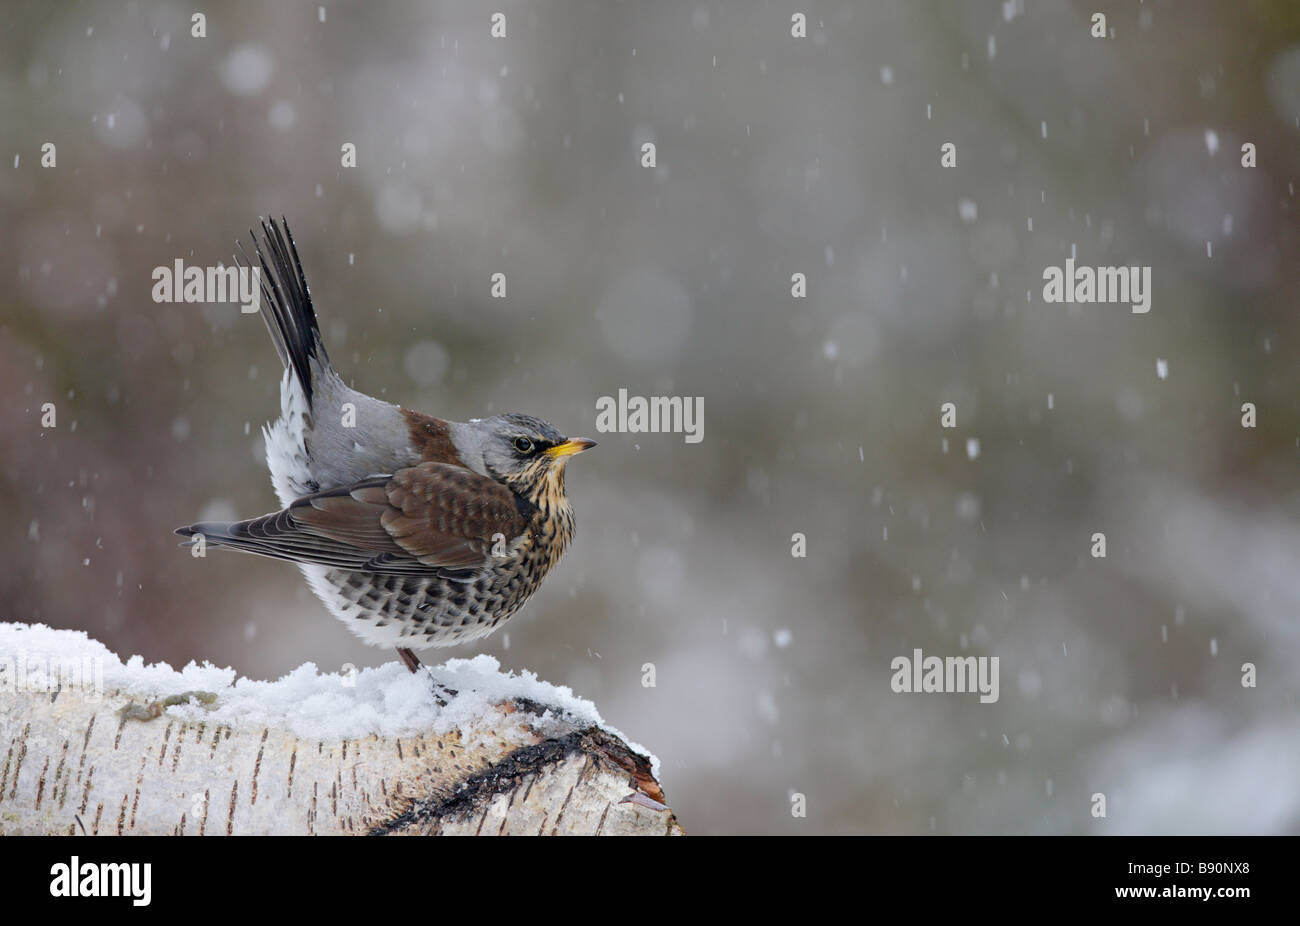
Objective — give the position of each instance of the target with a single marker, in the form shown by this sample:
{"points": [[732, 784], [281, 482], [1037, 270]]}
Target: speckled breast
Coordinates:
{"points": [[425, 611]]}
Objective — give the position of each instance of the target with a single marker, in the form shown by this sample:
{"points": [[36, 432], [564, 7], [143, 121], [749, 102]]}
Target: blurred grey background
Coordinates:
{"points": [[775, 155]]}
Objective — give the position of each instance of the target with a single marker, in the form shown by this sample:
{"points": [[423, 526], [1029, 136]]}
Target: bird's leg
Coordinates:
{"points": [[442, 694], [412, 661]]}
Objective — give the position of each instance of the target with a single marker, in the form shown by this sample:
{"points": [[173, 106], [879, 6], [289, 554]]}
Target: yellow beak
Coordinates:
{"points": [[570, 447]]}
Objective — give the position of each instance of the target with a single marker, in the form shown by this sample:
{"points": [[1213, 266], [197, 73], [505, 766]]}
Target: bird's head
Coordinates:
{"points": [[527, 454]]}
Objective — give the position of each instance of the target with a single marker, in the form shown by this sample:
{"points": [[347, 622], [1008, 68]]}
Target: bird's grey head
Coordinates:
{"points": [[522, 451]]}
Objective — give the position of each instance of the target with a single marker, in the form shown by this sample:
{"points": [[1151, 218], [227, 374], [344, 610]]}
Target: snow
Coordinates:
{"points": [[387, 701], [426, 362], [247, 70], [283, 115]]}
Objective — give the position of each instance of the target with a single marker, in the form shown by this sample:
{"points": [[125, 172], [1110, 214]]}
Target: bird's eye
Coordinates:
{"points": [[523, 445]]}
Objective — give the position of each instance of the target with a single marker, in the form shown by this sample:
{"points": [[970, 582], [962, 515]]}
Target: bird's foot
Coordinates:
{"points": [[411, 660], [441, 693]]}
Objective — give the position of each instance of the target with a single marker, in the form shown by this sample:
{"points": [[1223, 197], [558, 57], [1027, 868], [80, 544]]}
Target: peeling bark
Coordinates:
{"points": [[71, 764]]}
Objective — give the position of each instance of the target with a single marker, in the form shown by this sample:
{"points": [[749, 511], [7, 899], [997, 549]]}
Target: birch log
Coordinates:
{"points": [[141, 754]]}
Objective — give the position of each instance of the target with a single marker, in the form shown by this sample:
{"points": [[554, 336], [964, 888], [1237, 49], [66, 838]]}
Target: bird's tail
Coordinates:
{"points": [[261, 536], [286, 303], [236, 535]]}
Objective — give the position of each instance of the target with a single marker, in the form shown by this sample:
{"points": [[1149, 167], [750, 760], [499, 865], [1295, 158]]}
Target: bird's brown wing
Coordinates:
{"points": [[447, 516], [430, 518]]}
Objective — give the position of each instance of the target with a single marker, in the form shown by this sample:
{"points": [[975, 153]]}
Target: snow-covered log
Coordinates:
{"points": [[91, 745]]}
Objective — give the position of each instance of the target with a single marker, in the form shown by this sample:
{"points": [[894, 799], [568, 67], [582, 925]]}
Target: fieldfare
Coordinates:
{"points": [[413, 531]]}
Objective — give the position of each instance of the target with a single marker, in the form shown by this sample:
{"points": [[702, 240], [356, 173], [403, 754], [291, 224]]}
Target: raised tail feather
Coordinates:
{"points": [[286, 302]]}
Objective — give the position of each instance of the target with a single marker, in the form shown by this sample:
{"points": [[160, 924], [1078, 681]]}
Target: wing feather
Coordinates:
{"points": [[429, 519]]}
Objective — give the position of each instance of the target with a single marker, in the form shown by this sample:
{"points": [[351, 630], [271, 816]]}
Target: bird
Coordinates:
{"points": [[412, 530]]}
